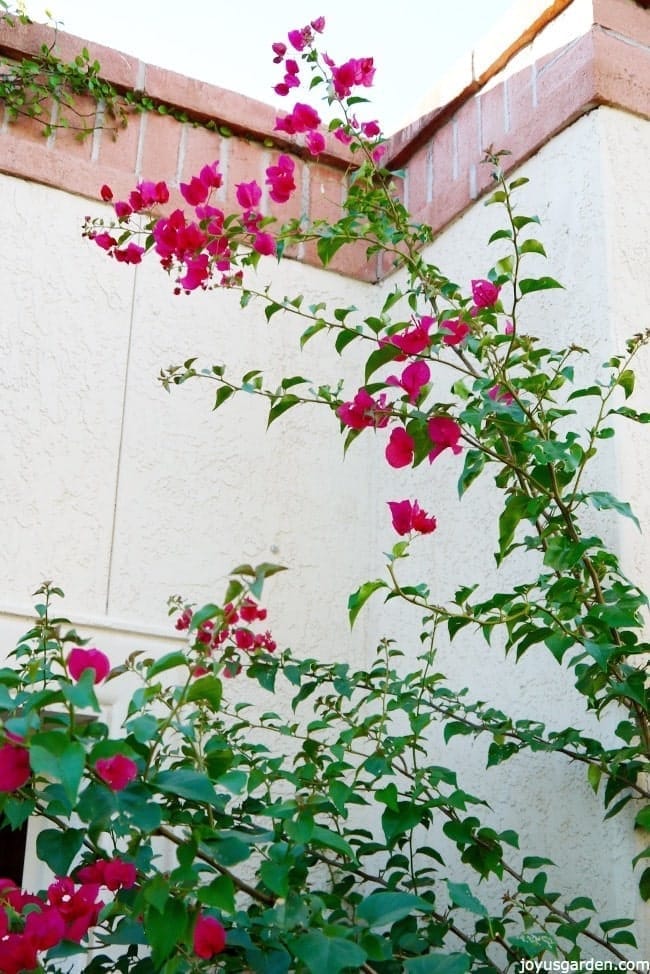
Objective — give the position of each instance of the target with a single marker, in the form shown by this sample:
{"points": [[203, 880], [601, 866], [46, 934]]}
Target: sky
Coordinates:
{"points": [[413, 42]]}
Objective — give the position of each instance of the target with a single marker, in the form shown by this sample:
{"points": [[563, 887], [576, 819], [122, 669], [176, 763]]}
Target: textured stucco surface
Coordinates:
{"points": [[124, 494]]}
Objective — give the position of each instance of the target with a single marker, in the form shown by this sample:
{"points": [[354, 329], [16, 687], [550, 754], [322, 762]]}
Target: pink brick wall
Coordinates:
{"points": [[441, 153]]}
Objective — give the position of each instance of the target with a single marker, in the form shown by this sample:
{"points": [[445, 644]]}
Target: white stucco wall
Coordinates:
{"points": [[123, 494]]}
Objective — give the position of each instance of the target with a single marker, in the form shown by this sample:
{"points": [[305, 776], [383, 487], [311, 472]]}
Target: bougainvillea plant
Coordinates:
{"points": [[205, 833]]}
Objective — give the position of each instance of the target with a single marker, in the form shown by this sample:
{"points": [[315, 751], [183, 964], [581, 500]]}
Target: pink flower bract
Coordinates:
{"points": [[444, 433], [409, 517], [413, 340], [315, 142], [485, 293], [400, 449], [81, 659], [249, 195], [117, 772], [363, 411], [209, 937], [455, 330], [280, 179], [414, 377], [14, 767]]}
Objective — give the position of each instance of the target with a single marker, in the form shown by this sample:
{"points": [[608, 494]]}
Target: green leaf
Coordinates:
{"points": [[206, 688], [327, 955], [311, 331], [186, 783], [582, 903], [220, 894], [642, 820], [603, 501], [332, 840], [461, 895], [223, 393], [594, 774], [281, 406], [588, 391], [532, 246], [438, 963], [534, 943], [626, 381], [344, 338], [455, 727], [474, 464], [58, 848], [504, 234], [385, 908], [381, 356], [358, 599], [166, 929], [529, 284], [328, 246], [168, 661], [54, 755], [644, 884]]}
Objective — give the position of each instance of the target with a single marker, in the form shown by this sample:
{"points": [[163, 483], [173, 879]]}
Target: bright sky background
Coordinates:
{"points": [[413, 42]]}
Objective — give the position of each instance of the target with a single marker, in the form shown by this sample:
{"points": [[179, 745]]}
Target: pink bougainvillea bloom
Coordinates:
{"points": [[209, 937], [104, 240], [378, 153], [45, 928], [444, 433], [400, 449], [17, 954], [210, 175], [485, 293], [280, 179], [194, 192], [281, 89], [197, 272], [117, 772], [15, 897], [4, 922], [147, 194], [264, 244], [371, 129], [413, 340], [497, 394], [244, 638], [81, 659], [119, 874], [131, 254], [356, 71], [14, 767], [315, 142], [409, 517], [401, 516], [456, 331], [318, 24], [249, 195], [303, 118], [344, 137], [509, 328], [413, 378], [250, 611], [363, 411], [106, 193], [122, 210], [279, 49], [300, 39], [78, 908], [113, 873]]}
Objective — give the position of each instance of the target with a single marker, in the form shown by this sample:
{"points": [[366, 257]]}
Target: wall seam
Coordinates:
{"points": [[120, 446]]}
